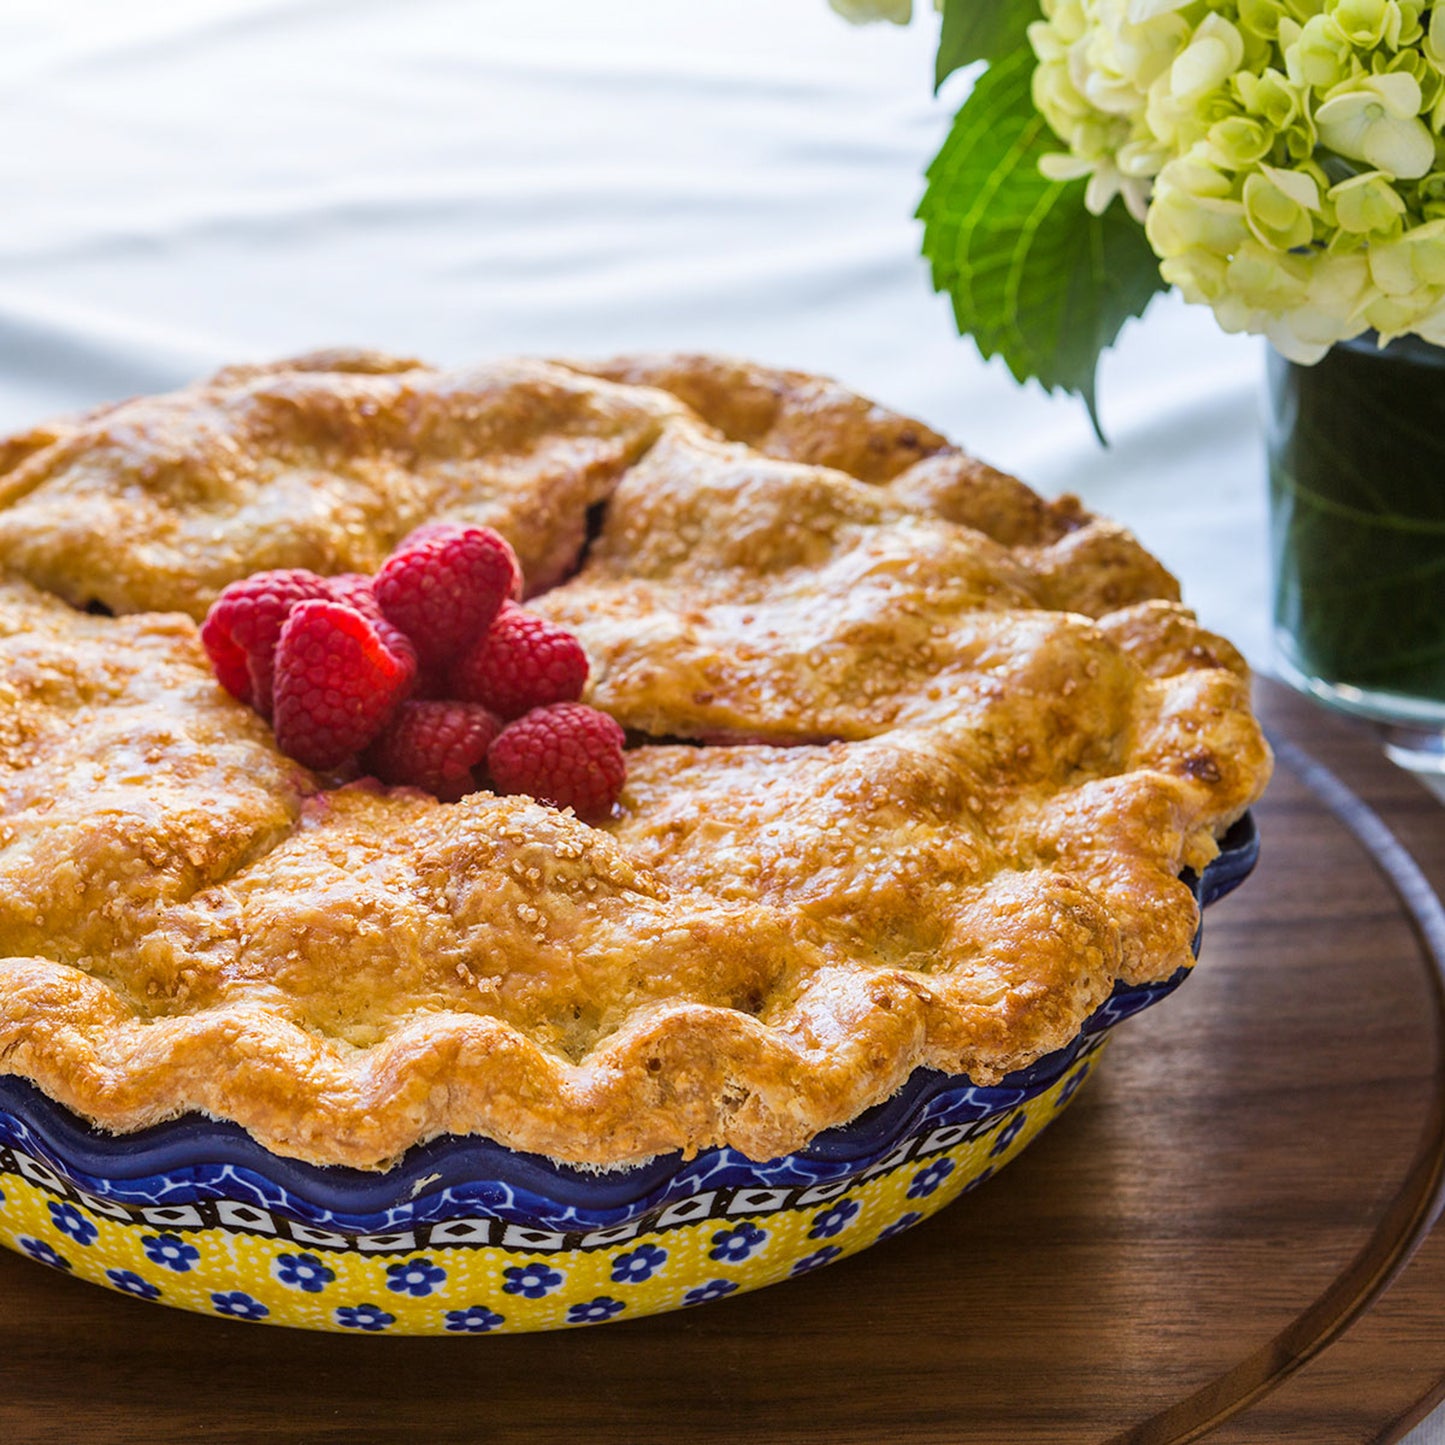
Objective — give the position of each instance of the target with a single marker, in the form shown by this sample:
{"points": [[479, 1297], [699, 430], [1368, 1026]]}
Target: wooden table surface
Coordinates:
{"points": [[1226, 1235]]}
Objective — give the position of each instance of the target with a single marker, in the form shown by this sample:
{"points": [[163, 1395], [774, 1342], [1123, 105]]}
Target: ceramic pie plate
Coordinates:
{"points": [[464, 1236]]}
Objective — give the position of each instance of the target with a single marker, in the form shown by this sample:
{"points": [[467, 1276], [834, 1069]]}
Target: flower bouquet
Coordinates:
{"points": [[1282, 162]]}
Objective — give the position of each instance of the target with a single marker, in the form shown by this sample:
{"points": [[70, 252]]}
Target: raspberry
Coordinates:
{"points": [[568, 754], [429, 530], [444, 589], [357, 590], [337, 683], [243, 624], [426, 531], [523, 662], [434, 745]]}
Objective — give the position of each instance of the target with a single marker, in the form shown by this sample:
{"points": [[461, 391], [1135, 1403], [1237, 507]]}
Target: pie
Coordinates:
{"points": [[916, 760]]}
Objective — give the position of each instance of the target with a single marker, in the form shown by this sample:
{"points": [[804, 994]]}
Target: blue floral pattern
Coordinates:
{"points": [[817, 1260], [732, 1246], [303, 1271], [531, 1281], [416, 1277], [927, 1180], [129, 1282], [1072, 1087], [904, 1221], [594, 1312], [239, 1305], [371, 1318], [69, 1220], [977, 1180], [170, 1251], [1008, 1134], [476, 1320], [641, 1264], [713, 1289], [38, 1249], [831, 1221]]}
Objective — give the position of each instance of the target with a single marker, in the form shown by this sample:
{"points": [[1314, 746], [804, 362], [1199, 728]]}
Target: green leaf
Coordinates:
{"points": [[981, 30], [1033, 277]]}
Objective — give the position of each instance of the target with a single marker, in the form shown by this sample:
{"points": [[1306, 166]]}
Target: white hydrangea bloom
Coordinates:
{"points": [[1286, 156]]}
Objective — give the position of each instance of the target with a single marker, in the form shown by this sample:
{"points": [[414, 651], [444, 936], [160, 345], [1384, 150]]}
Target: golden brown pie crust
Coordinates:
{"points": [[918, 758]]}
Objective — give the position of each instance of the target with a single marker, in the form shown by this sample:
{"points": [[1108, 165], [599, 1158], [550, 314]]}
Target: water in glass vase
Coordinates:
{"points": [[1357, 523]]}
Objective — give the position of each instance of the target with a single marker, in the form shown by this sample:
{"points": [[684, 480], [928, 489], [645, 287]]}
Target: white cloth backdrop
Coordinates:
{"points": [[191, 182]]}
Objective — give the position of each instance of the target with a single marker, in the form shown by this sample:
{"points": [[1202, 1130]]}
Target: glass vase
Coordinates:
{"points": [[1357, 532]]}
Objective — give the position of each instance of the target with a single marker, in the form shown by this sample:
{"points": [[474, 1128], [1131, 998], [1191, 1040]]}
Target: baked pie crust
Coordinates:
{"points": [[917, 761]]}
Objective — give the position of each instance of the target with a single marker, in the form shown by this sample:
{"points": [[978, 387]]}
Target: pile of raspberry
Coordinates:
{"points": [[428, 675]]}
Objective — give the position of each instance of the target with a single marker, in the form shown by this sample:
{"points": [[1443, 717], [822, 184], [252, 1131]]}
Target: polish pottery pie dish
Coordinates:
{"points": [[921, 784]]}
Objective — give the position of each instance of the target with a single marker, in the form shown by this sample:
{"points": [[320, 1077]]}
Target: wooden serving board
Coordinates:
{"points": [[1226, 1235]]}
